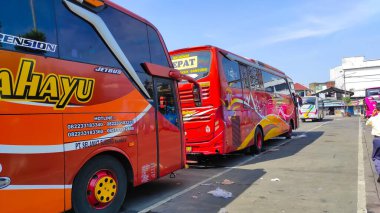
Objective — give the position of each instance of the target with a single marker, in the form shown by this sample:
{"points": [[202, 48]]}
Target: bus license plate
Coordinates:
{"points": [[188, 149]]}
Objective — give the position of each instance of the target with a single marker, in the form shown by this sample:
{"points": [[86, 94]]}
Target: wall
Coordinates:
{"points": [[355, 74]]}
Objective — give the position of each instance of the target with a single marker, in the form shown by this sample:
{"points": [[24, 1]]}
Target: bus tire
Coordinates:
{"points": [[100, 186], [289, 133], [303, 120], [259, 139]]}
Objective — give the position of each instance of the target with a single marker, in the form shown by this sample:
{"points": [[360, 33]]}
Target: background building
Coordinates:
{"points": [[355, 75], [317, 87], [301, 90], [333, 101]]}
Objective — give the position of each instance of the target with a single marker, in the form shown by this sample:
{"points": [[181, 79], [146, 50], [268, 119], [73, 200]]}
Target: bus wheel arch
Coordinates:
{"points": [[102, 183]]}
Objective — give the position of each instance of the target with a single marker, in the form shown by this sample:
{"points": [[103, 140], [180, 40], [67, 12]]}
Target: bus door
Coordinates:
{"points": [[248, 116], [170, 155], [234, 101]]}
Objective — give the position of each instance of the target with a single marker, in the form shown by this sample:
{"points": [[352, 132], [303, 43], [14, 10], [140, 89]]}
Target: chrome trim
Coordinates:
{"points": [[4, 182], [107, 36], [33, 187]]}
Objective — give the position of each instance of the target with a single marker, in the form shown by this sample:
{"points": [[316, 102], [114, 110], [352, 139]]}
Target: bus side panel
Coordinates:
{"points": [[79, 106], [79, 149], [147, 149], [270, 123], [233, 118], [253, 113], [170, 149], [37, 177], [287, 111]]}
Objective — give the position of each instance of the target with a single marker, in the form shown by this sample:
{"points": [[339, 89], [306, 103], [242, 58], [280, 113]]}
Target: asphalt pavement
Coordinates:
{"points": [[325, 167]]}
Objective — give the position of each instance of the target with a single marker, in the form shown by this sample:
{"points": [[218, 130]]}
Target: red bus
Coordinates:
{"points": [[371, 100], [245, 102], [88, 106]]}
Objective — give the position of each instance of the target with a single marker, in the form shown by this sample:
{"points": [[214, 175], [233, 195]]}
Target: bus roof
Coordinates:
{"points": [[372, 88], [236, 57]]}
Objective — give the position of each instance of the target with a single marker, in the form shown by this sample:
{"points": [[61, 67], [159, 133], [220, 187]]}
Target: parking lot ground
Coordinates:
{"points": [[318, 170], [372, 187]]}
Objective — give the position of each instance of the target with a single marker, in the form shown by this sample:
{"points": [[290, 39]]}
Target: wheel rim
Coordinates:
{"points": [[101, 189], [259, 137]]}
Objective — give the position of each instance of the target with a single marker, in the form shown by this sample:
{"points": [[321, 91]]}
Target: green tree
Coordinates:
{"points": [[347, 101]]}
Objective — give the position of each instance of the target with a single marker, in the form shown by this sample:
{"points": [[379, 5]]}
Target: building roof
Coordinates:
{"points": [[336, 90], [298, 86]]}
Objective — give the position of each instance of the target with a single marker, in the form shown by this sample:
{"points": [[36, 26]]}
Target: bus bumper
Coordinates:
{"points": [[211, 147]]}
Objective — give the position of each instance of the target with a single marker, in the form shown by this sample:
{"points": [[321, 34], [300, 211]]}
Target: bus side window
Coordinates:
{"points": [[245, 73], [244, 70], [157, 52], [139, 42], [256, 79], [282, 87], [131, 34], [29, 26], [166, 99], [78, 40], [232, 73], [268, 82]]}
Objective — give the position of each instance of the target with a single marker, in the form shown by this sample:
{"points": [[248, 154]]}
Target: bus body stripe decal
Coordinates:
{"points": [[33, 187], [107, 36], [45, 149], [30, 149]]}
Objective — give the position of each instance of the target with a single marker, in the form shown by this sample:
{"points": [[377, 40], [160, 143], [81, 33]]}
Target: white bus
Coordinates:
{"points": [[311, 109]]}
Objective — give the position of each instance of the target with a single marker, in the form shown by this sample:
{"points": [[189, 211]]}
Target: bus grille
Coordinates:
{"points": [[186, 95]]}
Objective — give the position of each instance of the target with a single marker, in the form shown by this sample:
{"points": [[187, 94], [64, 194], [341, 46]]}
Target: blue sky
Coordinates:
{"points": [[303, 38]]}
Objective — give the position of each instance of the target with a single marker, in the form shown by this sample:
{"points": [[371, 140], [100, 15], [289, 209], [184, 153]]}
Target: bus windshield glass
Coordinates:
{"points": [[372, 92], [308, 100], [193, 64]]}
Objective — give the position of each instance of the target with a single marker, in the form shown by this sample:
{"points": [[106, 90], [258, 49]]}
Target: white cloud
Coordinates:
{"points": [[322, 25]]}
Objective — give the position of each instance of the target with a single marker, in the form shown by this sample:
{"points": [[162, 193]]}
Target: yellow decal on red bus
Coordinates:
{"points": [[33, 86], [185, 63]]}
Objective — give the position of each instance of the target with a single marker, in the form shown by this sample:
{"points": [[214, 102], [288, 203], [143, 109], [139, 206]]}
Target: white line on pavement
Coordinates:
{"points": [[219, 174], [361, 206]]}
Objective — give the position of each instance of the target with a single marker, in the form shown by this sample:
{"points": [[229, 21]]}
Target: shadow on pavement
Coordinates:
{"points": [[272, 149], [197, 199]]}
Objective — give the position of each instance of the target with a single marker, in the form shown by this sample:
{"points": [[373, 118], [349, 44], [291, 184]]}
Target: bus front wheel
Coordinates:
{"points": [[289, 133], [259, 139], [100, 186]]}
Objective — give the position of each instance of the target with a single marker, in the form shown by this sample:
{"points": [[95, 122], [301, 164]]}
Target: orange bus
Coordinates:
{"points": [[88, 106], [245, 102]]}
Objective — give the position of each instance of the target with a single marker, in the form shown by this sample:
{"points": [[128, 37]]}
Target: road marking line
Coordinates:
{"points": [[361, 205], [221, 173]]}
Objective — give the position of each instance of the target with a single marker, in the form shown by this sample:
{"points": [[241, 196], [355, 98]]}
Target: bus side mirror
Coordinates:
{"points": [[197, 95]]}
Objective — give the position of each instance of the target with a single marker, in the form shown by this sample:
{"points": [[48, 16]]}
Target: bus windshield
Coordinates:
{"points": [[193, 64], [308, 100]]}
